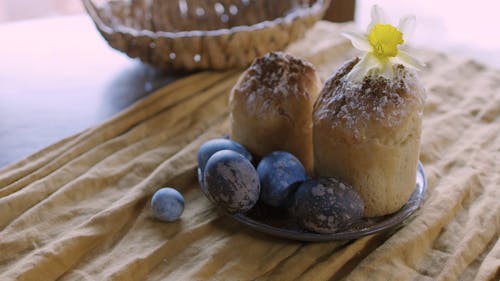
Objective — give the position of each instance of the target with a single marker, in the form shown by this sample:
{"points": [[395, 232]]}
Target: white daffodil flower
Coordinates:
{"points": [[381, 44]]}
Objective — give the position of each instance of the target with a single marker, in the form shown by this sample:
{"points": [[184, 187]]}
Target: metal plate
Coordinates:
{"points": [[279, 223]]}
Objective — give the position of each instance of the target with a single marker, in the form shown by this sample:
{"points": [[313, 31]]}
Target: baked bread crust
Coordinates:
{"points": [[368, 135], [271, 106]]}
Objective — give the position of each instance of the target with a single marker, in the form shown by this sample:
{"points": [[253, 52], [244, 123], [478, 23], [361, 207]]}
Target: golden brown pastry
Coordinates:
{"points": [[368, 135], [271, 106]]}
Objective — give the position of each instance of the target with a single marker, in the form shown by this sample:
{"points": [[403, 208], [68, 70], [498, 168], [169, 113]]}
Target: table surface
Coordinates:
{"points": [[59, 77], [87, 215], [61, 81]]}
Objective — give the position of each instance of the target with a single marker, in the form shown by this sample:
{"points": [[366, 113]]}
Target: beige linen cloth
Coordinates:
{"points": [[79, 209]]}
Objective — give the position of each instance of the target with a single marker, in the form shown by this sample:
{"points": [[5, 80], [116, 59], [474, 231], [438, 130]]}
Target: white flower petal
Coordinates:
{"points": [[358, 40], [378, 16], [386, 69], [408, 61], [407, 26], [359, 71]]}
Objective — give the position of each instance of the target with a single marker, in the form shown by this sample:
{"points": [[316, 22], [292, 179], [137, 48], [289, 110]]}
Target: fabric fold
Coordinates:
{"points": [[79, 209]]}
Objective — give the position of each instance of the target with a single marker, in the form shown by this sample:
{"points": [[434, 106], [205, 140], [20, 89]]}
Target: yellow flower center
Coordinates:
{"points": [[385, 39]]}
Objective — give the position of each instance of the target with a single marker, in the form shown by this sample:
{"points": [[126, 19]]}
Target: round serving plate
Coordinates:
{"points": [[279, 223]]}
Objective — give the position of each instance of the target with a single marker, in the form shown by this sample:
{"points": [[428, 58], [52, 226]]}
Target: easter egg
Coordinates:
{"points": [[280, 174], [325, 205], [231, 181], [167, 204], [210, 147]]}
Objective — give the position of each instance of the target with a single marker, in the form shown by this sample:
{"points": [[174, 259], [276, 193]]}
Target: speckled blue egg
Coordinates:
{"points": [[280, 173], [212, 146], [326, 205], [232, 181], [201, 181], [167, 204]]}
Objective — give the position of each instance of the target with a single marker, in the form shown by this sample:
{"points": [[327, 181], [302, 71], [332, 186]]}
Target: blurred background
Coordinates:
{"points": [[80, 82], [462, 27], [16, 10]]}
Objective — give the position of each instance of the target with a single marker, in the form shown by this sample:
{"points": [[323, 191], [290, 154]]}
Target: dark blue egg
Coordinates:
{"points": [[212, 146], [231, 181], [280, 173], [326, 205], [167, 204]]}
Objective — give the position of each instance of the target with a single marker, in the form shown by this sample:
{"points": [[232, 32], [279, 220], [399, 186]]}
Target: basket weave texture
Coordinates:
{"points": [[202, 34]]}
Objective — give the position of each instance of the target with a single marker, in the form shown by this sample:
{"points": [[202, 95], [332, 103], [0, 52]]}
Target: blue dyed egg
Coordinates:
{"points": [[201, 181], [212, 146], [280, 174], [326, 205], [167, 204], [232, 181]]}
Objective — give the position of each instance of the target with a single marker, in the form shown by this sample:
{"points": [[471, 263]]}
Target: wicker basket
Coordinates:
{"points": [[202, 34]]}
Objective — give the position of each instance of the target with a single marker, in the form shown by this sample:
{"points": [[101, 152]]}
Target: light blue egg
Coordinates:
{"points": [[212, 146], [167, 204]]}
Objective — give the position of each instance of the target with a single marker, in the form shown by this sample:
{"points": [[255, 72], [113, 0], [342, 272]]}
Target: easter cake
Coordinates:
{"points": [[343, 159], [368, 120], [271, 106]]}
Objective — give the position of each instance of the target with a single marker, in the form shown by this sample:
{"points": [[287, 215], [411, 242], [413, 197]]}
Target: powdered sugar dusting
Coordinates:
{"points": [[376, 102], [273, 78]]}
